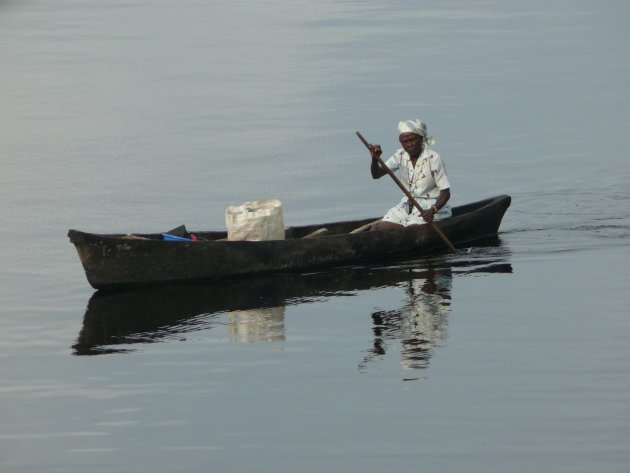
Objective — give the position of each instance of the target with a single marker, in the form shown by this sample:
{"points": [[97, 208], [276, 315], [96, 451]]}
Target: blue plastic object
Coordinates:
{"points": [[168, 237]]}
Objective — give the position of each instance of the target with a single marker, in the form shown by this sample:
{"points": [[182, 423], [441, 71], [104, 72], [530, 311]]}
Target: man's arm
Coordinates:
{"points": [[442, 199], [376, 169]]}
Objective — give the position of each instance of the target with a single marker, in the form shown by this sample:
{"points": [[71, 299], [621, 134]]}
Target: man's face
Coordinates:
{"points": [[411, 143]]}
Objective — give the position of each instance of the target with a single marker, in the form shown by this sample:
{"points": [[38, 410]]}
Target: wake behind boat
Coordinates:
{"points": [[119, 260]]}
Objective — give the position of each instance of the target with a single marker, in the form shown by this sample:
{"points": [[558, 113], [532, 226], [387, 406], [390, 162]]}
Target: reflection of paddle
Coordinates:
{"points": [[409, 196]]}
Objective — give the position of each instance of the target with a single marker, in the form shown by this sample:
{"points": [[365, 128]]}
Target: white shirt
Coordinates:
{"points": [[425, 180]]}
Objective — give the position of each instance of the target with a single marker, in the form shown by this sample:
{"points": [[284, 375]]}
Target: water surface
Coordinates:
{"points": [[134, 116]]}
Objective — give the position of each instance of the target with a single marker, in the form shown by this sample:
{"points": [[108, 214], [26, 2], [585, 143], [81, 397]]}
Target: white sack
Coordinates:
{"points": [[257, 220]]}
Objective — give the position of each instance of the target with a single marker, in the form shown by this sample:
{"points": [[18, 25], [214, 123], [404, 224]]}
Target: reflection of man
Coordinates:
{"points": [[424, 318], [256, 325], [420, 325]]}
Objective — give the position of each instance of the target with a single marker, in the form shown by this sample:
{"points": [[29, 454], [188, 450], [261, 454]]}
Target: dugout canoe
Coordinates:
{"points": [[127, 260]]}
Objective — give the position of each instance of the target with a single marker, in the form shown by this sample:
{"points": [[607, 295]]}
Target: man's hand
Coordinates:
{"points": [[428, 215], [375, 151]]}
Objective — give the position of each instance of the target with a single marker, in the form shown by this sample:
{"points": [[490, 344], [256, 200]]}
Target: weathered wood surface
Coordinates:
{"points": [[113, 261]]}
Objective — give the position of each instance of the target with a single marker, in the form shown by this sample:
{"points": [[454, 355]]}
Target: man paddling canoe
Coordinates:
{"points": [[423, 174]]}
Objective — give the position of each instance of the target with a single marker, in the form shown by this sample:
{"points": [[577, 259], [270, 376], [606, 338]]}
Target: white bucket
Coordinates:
{"points": [[256, 221]]}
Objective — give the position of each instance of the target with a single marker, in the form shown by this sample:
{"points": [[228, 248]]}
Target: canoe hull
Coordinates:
{"points": [[112, 261]]}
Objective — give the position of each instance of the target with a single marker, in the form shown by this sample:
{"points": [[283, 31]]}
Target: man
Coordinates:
{"points": [[421, 171]]}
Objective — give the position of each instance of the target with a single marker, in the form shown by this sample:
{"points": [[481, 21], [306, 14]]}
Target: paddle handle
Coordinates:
{"points": [[409, 196], [367, 145]]}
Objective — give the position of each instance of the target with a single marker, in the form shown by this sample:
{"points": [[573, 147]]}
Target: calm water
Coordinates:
{"points": [[138, 116]]}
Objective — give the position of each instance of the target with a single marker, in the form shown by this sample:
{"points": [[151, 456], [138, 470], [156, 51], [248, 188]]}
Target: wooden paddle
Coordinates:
{"points": [[409, 196]]}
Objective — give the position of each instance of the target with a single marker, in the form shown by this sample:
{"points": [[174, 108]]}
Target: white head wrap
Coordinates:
{"points": [[417, 127]]}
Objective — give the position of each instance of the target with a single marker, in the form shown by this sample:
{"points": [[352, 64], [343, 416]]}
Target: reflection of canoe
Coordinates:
{"points": [[117, 260], [156, 313]]}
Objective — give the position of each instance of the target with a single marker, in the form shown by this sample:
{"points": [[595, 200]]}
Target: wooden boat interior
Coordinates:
{"points": [[310, 231]]}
